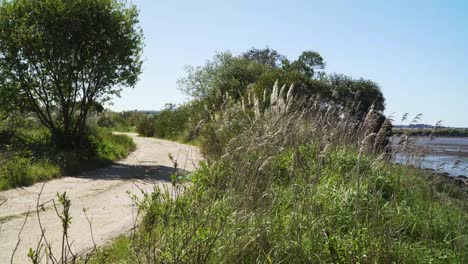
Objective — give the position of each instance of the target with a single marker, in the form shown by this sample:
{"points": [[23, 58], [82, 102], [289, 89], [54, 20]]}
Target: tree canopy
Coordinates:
{"points": [[59, 58], [257, 70]]}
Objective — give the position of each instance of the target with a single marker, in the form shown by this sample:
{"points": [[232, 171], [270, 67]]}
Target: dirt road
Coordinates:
{"points": [[104, 193]]}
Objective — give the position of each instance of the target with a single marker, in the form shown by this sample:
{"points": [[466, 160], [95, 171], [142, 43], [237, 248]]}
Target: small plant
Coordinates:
{"points": [[45, 251]]}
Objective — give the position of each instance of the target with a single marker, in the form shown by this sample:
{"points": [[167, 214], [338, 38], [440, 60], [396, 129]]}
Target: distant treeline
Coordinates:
{"points": [[441, 132]]}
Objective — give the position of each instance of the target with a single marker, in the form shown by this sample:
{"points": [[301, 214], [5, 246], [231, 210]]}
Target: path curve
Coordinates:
{"points": [[105, 193]]}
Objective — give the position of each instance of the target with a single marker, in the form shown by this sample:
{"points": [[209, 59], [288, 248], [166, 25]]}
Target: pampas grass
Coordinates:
{"points": [[302, 180]]}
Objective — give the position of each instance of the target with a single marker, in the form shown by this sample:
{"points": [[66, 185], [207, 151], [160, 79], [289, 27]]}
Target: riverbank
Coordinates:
{"points": [[439, 154], [298, 210], [440, 132], [295, 188]]}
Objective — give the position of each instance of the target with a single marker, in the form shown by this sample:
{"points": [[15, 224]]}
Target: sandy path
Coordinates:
{"points": [[103, 192]]}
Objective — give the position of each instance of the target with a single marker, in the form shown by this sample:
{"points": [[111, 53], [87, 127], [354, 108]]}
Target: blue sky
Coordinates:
{"points": [[416, 50]]}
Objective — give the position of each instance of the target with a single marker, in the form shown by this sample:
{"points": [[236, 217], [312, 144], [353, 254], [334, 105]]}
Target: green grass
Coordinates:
{"points": [[111, 146], [29, 156], [383, 214], [20, 171], [298, 186], [117, 252], [183, 140]]}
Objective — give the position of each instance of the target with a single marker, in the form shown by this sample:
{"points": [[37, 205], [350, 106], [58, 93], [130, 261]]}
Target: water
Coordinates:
{"points": [[441, 154]]}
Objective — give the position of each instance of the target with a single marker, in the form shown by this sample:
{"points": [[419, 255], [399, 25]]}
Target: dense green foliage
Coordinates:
{"points": [[257, 70], [251, 75], [169, 123], [172, 122], [59, 62], [62, 59], [19, 171], [145, 126], [126, 121], [243, 78], [110, 147], [27, 154]]}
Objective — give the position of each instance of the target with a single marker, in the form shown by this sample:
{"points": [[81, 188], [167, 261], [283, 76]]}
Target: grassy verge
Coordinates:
{"points": [[22, 171], [298, 187], [383, 214], [182, 140], [28, 156], [124, 129], [119, 251]]}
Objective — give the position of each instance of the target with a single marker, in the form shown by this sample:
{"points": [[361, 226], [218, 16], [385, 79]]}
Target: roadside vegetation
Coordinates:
{"points": [[296, 165], [125, 121], [60, 62], [28, 153], [300, 181], [253, 72], [292, 174]]}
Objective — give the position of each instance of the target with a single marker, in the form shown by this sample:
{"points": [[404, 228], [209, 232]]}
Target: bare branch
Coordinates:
{"points": [[19, 236]]}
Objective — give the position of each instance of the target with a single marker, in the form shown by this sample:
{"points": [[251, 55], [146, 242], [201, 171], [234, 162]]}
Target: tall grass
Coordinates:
{"points": [[300, 181], [111, 147], [28, 155], [17, 171]]}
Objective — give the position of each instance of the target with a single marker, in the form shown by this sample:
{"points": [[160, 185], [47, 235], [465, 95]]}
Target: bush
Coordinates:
{"points": [[120, 121], [28, 155], [109, 146], [171, 122], [218, 131], [146, 127], [101, 148]]}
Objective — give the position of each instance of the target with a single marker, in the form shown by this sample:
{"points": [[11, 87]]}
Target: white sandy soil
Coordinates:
{"points": [[104, 193]]}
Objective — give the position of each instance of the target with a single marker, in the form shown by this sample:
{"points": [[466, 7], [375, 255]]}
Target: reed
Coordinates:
{"points": [[299, 180]]}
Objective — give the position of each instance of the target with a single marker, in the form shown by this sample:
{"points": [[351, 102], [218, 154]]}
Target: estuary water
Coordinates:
{"points": [[441, 154]]}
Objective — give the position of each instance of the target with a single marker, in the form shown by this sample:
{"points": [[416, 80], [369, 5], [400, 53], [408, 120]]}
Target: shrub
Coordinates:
{"points": [[171, 122], [102, 147], [146, 127], [109, 146], [20, 171], [28, 155], [120, 121]]}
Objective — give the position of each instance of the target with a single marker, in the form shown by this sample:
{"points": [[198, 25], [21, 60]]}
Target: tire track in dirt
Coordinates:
{"points": [[104, 193]]}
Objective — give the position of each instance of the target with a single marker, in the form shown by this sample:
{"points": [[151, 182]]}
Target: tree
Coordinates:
{"points": [[223, 74], [267, 56], [308, 63], [258, 69], [59, 58], [356, 95]]}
